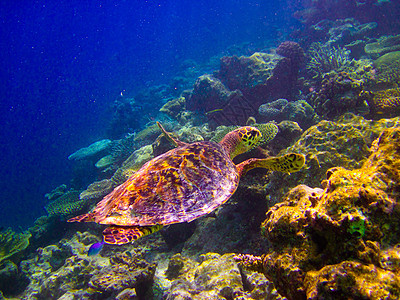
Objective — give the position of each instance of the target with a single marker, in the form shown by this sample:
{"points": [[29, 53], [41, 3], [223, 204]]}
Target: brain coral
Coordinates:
{"points": [[388, 69]]}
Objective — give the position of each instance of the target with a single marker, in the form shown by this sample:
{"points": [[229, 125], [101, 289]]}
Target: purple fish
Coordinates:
{"points": [[95, 249]]}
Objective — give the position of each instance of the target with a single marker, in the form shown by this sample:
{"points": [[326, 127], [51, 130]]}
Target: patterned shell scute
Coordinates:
{"points": [[177, 186]]}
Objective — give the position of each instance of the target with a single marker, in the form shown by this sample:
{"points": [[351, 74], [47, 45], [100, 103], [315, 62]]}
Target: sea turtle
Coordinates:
{"points": [[181, 185]]}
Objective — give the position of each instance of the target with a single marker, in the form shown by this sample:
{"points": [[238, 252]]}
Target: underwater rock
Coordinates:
{"points": [[12, 281], [93, 150], [174, 107], [328, 243], [259, 76], [216, 277], [123, 273], [351, 279], [209, 93], [243, 83], [287, 135], [297, 111]]}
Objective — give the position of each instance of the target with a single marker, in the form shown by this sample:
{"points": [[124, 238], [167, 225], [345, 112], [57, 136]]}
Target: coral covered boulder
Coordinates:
{"points": [[329, 244]]}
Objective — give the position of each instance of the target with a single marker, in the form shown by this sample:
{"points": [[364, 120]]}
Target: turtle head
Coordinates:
{"points": [[241, 140]]}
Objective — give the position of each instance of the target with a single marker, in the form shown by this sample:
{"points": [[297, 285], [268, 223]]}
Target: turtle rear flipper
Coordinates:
{"points": [[118, 235], [82, 218]]}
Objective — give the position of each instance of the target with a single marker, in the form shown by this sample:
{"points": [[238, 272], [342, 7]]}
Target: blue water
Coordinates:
{"points": [[63, 63]]}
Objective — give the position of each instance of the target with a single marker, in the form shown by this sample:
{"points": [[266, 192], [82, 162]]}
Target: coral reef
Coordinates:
{"points": [[57, 192], [174, 108], [386, 102], [328, 243], [342, 31], [12, 243], [293, 51], [298, 111], [214, 277], [67, 205], [345, 143], [97, 189], [387, 69], [125, 117], [92, 151], [273, 110], [324, 58], [383, 45], [64, 270], [339, 93]]}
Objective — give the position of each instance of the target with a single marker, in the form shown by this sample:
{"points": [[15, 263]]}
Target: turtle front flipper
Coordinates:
{"points": [[119, 235], [288, 163]]}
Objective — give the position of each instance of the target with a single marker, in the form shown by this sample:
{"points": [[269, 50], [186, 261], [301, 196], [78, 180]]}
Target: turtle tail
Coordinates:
{"points": [[82, 218], [288, 163], [118, 235]]}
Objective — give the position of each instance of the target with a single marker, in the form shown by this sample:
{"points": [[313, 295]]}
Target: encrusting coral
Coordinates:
{"points": [[329, 244], [339, 93], [215, 276], [343, 143], [65, 270]]}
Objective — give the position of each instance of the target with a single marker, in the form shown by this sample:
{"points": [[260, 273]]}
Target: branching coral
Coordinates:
{"points": [[324, 58]]}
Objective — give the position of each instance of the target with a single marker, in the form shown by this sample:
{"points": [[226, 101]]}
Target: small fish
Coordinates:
{"points": [[95, 249], [213, 111]]}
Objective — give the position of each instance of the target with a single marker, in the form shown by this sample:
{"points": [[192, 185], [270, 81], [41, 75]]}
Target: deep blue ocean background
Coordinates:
{"points": [[63, 63]]}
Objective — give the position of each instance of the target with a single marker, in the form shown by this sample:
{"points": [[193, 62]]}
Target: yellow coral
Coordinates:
{"points": [[12, 243]]}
